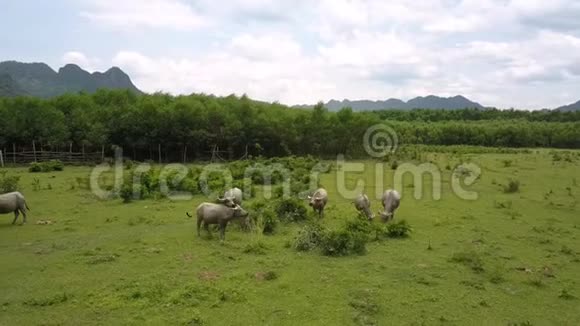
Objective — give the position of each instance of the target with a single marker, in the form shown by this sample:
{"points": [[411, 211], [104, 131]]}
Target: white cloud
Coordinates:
{"points": [[264, 47], [500, 52], [88, 63], [130, 14]]}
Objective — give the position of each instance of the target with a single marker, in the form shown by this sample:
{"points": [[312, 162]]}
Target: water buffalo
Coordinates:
{"points": [[363, 205], [235, 194], [210, 213], [318, 200], [390, 201], [14, 202], [226, 201]]}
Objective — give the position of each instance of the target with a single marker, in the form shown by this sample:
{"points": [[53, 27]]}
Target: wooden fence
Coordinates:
{"points": [[20, 155], [26, 157]]}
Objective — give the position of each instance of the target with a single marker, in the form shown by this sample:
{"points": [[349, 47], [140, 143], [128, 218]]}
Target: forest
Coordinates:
{"points": [[239, 125]]}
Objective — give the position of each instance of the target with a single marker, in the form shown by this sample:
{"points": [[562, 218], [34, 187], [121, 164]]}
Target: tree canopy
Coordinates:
{"points": [[200, 122]]}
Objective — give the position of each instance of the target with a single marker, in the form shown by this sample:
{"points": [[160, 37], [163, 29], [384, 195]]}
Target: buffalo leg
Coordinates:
{"points": [[198, 227], [223, 230], [23, 216], [16, 213], [206, 227]]}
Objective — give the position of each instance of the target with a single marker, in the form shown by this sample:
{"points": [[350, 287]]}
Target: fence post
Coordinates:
{"points": [[185, 154], [159, 147], [14, 153], [1, 159], [102, 153], [34, 150]]}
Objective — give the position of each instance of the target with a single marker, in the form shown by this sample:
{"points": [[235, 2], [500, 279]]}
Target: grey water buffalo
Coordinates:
{"points": [[318, 200], [14, 202], [390, 201], [210, 213], [363, 205], [226, 201], [235, 194]]}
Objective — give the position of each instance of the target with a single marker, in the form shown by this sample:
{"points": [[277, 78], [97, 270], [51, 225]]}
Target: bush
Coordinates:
{"points": [[363, 226], [8, 183], [399, 229], [56, 165], [291, 209], [48, 166], [269, 221], [343, 242], [512, 187], [126, 193], [309, 237], [35, 167]]}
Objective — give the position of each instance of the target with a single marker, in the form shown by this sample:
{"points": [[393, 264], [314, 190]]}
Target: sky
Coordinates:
{"points": [[503, 53]]}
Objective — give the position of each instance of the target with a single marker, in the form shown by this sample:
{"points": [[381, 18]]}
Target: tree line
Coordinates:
{"points": [[239, 125]]}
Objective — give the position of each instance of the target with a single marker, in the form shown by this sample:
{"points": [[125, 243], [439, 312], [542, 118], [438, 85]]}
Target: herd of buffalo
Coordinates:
{"points": [[229, 207]]}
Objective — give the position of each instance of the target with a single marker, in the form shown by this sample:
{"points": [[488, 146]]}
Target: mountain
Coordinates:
{"points": [[9, 87], [428, 102], [569, 108], [38, 79]]}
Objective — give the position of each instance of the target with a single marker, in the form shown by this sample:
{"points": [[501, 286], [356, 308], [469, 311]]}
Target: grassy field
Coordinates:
{"points": [[503, 259]]}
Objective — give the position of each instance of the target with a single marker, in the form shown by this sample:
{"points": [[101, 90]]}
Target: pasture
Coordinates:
{"points": [[507, 258]]}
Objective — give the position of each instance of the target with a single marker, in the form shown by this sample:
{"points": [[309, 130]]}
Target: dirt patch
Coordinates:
{"points": [[45, 222], [208, 276]]}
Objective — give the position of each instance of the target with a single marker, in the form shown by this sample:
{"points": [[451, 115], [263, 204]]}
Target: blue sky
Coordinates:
{"points": [[504, 53]]}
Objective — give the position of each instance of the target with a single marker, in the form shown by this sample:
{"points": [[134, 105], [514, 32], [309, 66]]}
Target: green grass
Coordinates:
{"points": [[506, 258]]}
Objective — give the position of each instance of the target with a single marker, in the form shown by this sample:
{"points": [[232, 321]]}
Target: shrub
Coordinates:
{"points": [[399, 229], [126, 193], [55, 165], [507, 163], [35, 167], [371, 230], [394, 165], [278, 191], [512, 187], [350, 239], [269, 221], [343, 242], [298, 188], [48, 166], [291, 209], [309, 237], [8, 183]]}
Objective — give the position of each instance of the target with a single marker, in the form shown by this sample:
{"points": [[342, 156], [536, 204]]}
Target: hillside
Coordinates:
{"points": [[8, 87], [427, 102], [38, 79], [569, 108]]}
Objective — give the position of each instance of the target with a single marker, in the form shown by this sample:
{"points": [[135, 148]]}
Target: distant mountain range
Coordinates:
{"points": [[38, 79], [569, 108], [427, 102]]}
